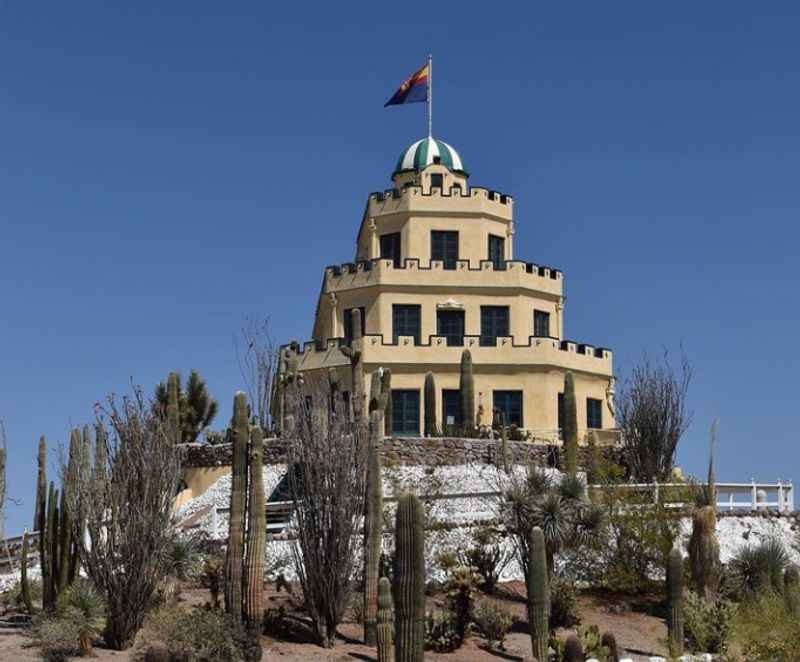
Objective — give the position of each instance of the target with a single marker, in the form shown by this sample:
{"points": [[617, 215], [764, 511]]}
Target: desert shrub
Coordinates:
{"points": [[708, 623], [194, 636], [757, 568], [563, 604], [57, 638], [212, 576], [494, 621], [764, 631], [461, 599], [84, 607], [592, 642], [441, 632], [14, 593], [488, 556], [446, 560]]}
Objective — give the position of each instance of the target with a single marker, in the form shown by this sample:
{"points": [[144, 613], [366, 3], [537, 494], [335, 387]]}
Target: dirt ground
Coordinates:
{"points": [[636, 630]]}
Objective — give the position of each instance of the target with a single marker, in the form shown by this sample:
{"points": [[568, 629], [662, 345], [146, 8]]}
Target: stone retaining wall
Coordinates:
{"points": [[413, 451]]}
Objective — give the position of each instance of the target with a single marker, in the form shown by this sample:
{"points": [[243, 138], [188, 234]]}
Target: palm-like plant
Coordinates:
{"points": [[196, 407]]}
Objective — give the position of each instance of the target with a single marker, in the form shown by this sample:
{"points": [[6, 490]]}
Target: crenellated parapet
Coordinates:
{"points": [[455, 199]]}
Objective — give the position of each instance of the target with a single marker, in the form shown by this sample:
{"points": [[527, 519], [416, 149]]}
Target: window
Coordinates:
{"points": [[451, 408], [541, 324], [510, 403], [494, 323], [437, 180], [444, 247], [560, 413], [406, 321], [450, 324], [497, 252], [594, 413], [348, 323], [390, 248], [405, 412]]}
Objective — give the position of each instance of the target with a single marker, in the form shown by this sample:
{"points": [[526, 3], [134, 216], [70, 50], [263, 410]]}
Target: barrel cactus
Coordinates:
{"points": [[538, 595], [609, 642], [573, 650], [385, 629], [675, 601], [409, 580]]}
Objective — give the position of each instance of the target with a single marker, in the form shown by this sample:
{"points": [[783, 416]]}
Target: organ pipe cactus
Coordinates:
{"points": [[49, 559], [573, 650], [41, 487], [675, 602], [238, 503], [430, 405], [256, 534], [355, 354], [385, 626], [23, 575], [409, 580], [570, 424], [466, 388], [373, 506], [538, 595]]}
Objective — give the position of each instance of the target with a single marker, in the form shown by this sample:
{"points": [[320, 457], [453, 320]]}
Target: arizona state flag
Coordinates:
{"points": [[413, 89]]}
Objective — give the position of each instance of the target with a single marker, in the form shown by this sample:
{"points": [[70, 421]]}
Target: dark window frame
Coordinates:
{"points": [[437, 180], [400, 407], [498, 260], [541, 318], [406, 307], [451, 397], [442, 248], [393, 241], [594, 414], [453, 339], [491, 324], [510, 415]]}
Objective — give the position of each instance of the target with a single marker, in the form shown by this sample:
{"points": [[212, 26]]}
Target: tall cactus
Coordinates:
{"points": [[41, 487], [466, 388], [570, 424], [64, 545], [49, 570], [791, 590], [256, 534], [173, 407], [373, 506], [385, 629], [704, 560], [430, 405], [573, 650], [675, 601], [409, 580], [235, 554], [355, 354], [23, 575], [538, 595]]}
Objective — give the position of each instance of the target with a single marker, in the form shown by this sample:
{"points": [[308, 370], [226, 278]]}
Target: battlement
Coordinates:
{"points": [[515, 274], [411, 197]]}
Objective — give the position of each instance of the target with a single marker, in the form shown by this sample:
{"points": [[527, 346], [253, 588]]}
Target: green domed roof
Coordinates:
{"points": [[423, 152]]}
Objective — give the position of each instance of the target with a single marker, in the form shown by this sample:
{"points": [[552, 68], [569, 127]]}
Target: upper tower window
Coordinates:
{"points": [[437, 180], [406, 321], [444, 247], [494, 324], [541, 324], [390, 248], [497, 252], [594, 413]]}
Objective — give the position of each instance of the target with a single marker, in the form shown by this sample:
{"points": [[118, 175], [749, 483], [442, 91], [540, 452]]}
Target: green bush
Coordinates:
{"points": [[563, 604], [441, 632], [764, 631], [494, 621], [488, 556], [708, 623], [192, 636]]}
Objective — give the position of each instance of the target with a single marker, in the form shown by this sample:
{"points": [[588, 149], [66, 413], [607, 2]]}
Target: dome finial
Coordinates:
{"points": [[426, 152]]}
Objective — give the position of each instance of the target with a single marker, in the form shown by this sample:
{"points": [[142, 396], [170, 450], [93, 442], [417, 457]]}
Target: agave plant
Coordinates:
{"points": [[759, 568]]}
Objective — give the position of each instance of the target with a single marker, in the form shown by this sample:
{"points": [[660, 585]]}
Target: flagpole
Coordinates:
{"points": [[430, 95]]}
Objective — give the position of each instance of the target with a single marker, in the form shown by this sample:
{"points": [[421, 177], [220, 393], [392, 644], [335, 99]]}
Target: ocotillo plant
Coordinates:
{"points": [[430, 405], [235, 554], [373, 505], [385, 622], [356, 365], [538, 595], [609, 642], [675, 601], [466, 388], [573, 650], [409, 580], [256, 534], [570, 424]]}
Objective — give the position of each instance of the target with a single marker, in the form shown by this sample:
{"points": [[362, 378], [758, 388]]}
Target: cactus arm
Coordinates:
{"points": [[409, 580], [385, 627]]}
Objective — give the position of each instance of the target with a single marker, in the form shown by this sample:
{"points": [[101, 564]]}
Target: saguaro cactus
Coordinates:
{"points": [[570, 424], [675, 600], [173, 407], [256, 534], [573, 650], [430, 405], [234, 560], [23, 575], [385, 625], [373, 506], [49, 568], [538, 595], [41, 487], [409, 580], [354, 353], [466, 388]]}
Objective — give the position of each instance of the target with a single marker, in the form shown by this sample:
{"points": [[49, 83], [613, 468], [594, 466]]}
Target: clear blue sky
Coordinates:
{"points": [[168, 168]]}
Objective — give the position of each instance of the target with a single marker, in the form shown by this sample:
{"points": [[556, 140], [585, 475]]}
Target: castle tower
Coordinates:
{"points": [[435, 273]]}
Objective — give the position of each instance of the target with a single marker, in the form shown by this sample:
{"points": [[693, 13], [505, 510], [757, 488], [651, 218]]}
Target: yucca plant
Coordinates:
{"points": [[757, 568]]}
